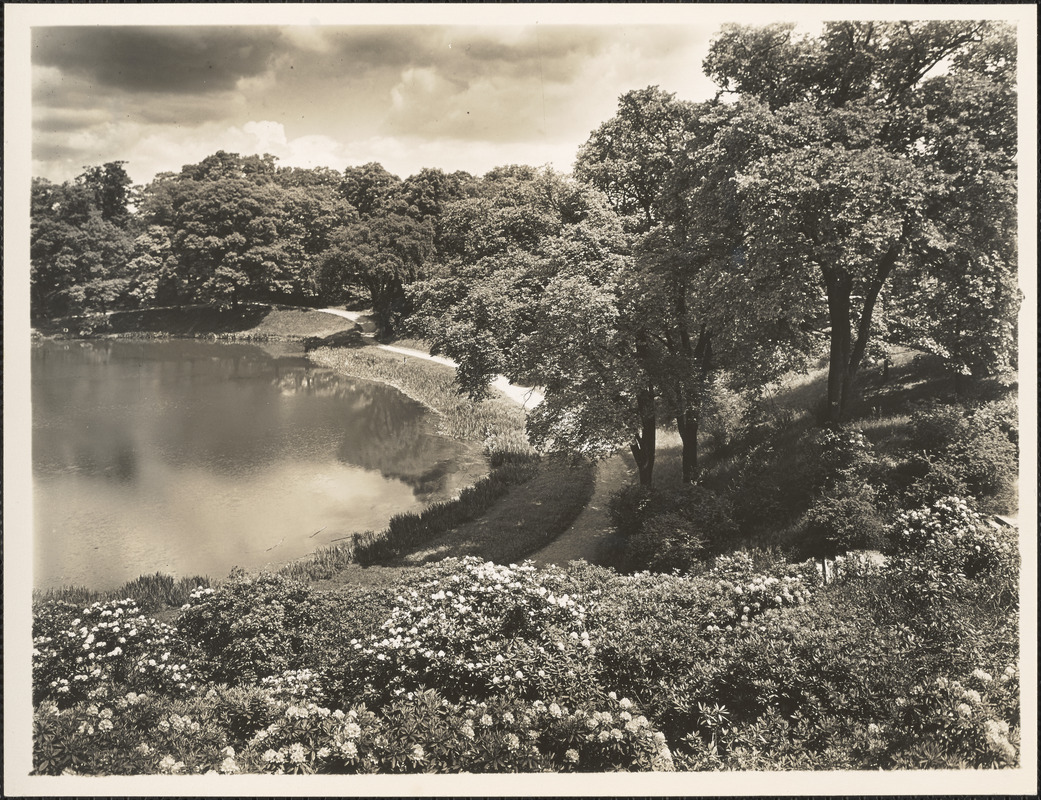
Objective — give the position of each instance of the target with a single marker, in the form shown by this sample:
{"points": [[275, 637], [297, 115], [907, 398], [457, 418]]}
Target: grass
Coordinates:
{"points": [[496, 421], [152, 592], [528, 518]]}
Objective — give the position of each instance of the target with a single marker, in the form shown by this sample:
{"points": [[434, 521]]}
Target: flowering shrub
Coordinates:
{"points": [[130, 735], [481, 631], [251, 627], [106, 649], [956, 724], [839, 455], [294, 685], [422, 732], [941, 546], [751, 594]]}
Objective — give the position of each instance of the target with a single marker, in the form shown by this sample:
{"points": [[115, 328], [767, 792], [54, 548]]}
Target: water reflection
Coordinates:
{"points": [[184, 451]]}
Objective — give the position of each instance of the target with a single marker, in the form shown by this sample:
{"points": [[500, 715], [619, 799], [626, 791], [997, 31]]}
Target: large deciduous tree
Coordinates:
{"points": [[871, 182], [79, 247], [628, 156]]}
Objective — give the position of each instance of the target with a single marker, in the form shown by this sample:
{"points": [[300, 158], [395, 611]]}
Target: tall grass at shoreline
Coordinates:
{"points": [[152, 592]]}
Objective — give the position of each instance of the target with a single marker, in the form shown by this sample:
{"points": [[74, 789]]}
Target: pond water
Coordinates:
{"points": [[192, 457]]}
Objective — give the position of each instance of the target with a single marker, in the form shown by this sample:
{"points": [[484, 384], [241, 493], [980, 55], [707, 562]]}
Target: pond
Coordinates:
{"points": [[194, 457]]}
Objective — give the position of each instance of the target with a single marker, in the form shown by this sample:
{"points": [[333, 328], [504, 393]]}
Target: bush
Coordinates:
{"points": [[946, 552], [968, 452], [671, 530], [838, 456], [481, 631], [723, 416], [945, 724], [844, 518], [106, 649], [422, 732], [250, 627]]}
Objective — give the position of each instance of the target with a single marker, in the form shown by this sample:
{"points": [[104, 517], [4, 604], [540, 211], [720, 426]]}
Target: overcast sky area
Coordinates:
{"points": [[453, 97]]}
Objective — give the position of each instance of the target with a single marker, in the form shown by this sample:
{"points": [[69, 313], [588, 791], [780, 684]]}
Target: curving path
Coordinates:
{"points": [[591, 537], [525, 396]]}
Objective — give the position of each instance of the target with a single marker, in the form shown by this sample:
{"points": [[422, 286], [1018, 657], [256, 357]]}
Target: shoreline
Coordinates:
{"points": [[503, 415]]}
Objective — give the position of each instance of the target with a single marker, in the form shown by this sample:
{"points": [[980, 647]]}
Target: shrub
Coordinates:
{"points": [[106, 649], [250, 627], [662, 639], [671, 530], [723, 416], [949, 724], [838, 456], [422, 732], [130, 735], [482, 631], [627, 508], [843, 518], [954, 536], [952, 566], [973, 452]]}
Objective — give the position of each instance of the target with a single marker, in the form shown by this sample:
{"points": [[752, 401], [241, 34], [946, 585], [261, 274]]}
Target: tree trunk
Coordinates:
{"points": [[643, 446], [839, 390], [847, 354], [688, 426]]}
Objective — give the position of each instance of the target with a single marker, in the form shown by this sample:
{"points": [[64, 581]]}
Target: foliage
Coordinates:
{"points": [[250, 627], [417, 732], [967, 452], [941, 546], [149, 592], [951, 724], [105, 649], [406, 531], [674, 530], [862, 177], [628, 156], [844, 518], [476, 631]]}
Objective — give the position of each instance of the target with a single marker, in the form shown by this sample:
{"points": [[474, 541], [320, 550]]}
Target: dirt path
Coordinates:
{"points": [[591, 537], [525, 396]]}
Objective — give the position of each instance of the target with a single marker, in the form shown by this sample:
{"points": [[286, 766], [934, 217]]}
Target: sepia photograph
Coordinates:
{"points": [[449, 399]]}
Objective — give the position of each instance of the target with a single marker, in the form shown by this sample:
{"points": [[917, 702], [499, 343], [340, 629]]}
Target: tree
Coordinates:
{"points": [[369, 188], [858, 189], [110, 186], [428, 191], [237, 232], [544, 299], [838, 217], [628, 156], [78, 258], [382, 254]]}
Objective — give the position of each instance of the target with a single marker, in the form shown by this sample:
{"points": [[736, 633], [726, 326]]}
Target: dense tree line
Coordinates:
{"points": [[842, 193]]}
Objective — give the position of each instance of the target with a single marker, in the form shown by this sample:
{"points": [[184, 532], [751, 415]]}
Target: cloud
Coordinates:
{"points": [[460, 97], [159, 59]]}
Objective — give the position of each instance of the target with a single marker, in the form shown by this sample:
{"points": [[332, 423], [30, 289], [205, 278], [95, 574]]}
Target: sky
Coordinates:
{"points": [[467, 97]]}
